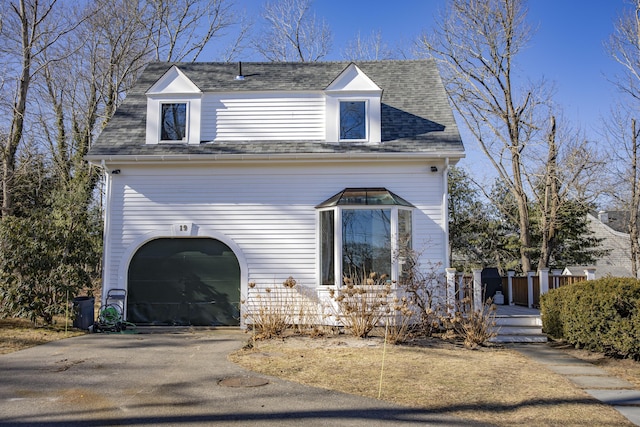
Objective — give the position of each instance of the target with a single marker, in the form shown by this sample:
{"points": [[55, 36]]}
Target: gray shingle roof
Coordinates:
{"points": [[415, 117]]}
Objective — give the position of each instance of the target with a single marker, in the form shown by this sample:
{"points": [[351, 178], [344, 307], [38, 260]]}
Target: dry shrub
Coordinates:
{"points": [[399, 324], [362, 302], [421, 287], [271, 312], [479, 326], [474, 327], [366, 301]]}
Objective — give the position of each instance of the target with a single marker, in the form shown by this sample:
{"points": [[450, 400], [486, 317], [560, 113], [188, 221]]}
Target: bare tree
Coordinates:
{"points": [[125, 36], [634, 233], [477, 43], [550, 198], [566, 182], [239, 43], [292, 33], [624, 47], [119, 46], [29, 29], [110, 51], [621, 131], [81, 63], [181, 29], [371, 48]]}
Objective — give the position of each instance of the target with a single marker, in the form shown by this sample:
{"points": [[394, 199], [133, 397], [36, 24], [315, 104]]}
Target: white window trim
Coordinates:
{"points": [[154, 118], [372, 116], [337, 250]]}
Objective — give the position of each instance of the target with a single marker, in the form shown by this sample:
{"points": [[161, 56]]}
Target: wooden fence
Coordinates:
{"points": [[556, 282], [525, 290], [520, 287], [521, 291]]}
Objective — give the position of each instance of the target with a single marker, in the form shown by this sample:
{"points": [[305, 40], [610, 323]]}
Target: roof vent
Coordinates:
{"points": [[239, 76]]}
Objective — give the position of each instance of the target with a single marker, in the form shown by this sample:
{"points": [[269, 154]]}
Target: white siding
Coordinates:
{"points": [[268, 212], [263, 118]]}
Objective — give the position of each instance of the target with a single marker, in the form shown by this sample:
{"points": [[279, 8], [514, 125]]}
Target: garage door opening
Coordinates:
{"points": [[188, 281]]}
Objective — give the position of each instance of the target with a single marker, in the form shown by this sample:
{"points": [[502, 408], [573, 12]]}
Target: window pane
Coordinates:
{"points": [[404, 242], [366, 242], [327, 259], [404, 229], [174, 122], [352, 120]]}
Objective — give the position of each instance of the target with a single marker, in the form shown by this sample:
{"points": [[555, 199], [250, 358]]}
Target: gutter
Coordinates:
{"points": [[194, 158], [445, 211]]}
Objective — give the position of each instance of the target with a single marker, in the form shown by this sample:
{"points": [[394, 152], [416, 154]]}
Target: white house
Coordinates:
{"points": [[612, 229], [220, 175]]}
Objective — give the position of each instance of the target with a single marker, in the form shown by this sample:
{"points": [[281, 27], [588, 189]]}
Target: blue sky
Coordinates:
{"points": [[567, 48]]}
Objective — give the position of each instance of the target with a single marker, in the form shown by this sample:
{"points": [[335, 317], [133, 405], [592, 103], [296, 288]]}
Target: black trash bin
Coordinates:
{"points": [[491, 283], [83, 312]]}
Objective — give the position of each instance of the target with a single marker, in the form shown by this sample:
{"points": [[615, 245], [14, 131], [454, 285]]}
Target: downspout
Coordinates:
{"points": [[106, 236], [445, 211]]}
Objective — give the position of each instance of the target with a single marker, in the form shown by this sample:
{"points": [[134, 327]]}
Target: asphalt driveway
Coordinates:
{"points": [[180, 378]]}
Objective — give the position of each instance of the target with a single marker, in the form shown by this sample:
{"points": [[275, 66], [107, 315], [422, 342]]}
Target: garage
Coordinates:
{"points": [[184, 281]]}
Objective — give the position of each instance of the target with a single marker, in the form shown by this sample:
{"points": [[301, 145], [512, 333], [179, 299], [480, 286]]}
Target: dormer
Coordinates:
{"points": [[174, 106], [353, 108]]}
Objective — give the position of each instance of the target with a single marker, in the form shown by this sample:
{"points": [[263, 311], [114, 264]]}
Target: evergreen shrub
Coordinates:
{"points": [[600, 315]]}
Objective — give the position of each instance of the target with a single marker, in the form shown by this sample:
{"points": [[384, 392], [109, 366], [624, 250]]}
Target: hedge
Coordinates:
{"points": [[600, 315]]}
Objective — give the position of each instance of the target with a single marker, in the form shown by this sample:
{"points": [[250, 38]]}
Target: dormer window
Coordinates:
{"points": [[353, 108], [174, 122], [353, 120], [174, 105]]}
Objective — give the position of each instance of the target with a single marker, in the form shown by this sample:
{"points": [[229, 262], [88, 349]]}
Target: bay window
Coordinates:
{"points": [[363, 231]]}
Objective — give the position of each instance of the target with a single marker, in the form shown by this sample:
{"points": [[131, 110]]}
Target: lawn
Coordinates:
{"points": [[495, 385], [16, 334]]}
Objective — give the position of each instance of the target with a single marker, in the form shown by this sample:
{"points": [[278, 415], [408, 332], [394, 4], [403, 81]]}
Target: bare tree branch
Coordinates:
{"points": [[371, 48], [292, 33], [181, 29]]}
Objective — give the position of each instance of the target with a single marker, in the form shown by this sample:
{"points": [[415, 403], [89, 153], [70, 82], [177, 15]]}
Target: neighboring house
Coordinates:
{"points": [[220, 175], [612, 228]]}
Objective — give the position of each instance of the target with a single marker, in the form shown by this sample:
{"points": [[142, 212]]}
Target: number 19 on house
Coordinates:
{"points": [[182, 229]]}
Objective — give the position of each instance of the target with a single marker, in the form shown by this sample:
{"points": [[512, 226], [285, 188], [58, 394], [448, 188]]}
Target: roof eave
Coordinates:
{"points": [[453, 156]]}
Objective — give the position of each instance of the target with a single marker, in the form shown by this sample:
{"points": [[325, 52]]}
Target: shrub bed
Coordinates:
{"points": [[600, 315]]}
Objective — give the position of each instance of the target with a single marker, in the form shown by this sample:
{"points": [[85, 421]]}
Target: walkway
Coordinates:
{"points": [[609, 389], [621, 394]]}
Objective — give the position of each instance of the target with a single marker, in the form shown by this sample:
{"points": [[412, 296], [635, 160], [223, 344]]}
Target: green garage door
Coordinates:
{"points": [[184, 282]]}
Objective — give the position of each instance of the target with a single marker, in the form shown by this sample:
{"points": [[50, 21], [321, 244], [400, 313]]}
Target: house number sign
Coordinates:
{"points": [[182, 229]]}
